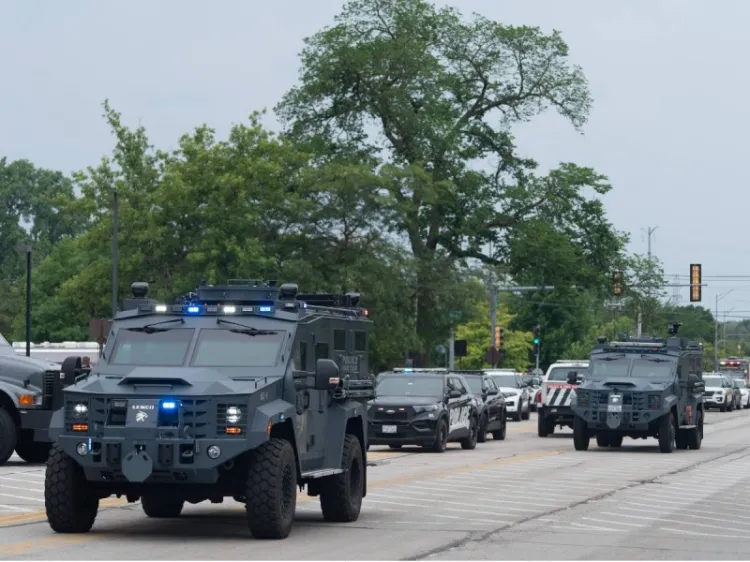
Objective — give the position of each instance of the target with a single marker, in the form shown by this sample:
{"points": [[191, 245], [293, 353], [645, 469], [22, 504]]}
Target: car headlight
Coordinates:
{"points": [[423, 409], [81, 410], [233, 414]]}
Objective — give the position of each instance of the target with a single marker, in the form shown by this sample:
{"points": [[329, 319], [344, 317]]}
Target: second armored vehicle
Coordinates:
{"points": [[642, 387], [247, 390]]}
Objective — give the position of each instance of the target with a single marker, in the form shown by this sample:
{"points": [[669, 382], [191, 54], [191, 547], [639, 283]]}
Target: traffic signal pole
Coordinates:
{"points": [[493, 321]]}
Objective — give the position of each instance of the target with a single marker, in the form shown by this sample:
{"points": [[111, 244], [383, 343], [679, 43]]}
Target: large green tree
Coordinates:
{"points": [[434, 96]]}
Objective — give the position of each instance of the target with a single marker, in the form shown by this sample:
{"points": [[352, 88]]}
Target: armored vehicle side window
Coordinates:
{"points": [[321, 351], [223, 348], [161, 349], [360, 341], [339, 340]]}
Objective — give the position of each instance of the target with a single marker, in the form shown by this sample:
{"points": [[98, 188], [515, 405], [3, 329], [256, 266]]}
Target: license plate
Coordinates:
{"points": [[390, 429], [553, 410], [614, 408]]}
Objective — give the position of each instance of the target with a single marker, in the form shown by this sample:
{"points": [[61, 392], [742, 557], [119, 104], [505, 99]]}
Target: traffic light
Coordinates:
{"points": [[617, 283], [536, 339], [695, 282], [499, 337]]}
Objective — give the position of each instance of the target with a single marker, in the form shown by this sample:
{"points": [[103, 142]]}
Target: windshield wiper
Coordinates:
{"points": [[247, 330], [150, 329], [655, 359], [613, 358]]}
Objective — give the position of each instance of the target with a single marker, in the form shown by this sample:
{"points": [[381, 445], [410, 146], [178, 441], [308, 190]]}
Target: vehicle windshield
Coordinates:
{"points": [[713, 382], [561, 373], [225, 348], [508, 381], [640, 367], [410, 386], [157, 349], [475, 384]]}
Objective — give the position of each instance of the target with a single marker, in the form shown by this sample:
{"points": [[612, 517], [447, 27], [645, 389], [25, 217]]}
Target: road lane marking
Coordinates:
{"points": [[39, 516]]}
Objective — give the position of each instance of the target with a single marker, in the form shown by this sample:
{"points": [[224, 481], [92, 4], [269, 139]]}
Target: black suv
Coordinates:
{"points": [[427, 409], [493, 417]]}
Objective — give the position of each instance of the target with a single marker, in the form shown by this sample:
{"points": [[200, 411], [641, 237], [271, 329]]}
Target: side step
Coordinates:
{"points": [[321, 473]]}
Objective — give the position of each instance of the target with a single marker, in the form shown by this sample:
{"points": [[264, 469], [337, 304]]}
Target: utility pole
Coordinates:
{"points": [[452, 350], [115, 234], [639, 324]]}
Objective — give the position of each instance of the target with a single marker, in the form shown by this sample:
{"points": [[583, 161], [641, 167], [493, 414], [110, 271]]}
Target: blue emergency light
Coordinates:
{"points": [[408, 370], [168, 405], [193, 309]]}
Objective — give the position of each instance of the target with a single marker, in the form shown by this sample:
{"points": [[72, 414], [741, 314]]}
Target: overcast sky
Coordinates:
{"points": [[669, 79]]}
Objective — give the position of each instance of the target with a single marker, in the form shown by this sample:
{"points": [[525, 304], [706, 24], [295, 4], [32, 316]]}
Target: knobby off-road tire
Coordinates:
{"points": [[470, 442], [341, 494], [482, 435], [161, 506], [581, 437], [271, 490], [681, 439], [70, 505], [499, 435], [8, 436], [441, 437], [31, 451], [667, 433], [695, 435]]}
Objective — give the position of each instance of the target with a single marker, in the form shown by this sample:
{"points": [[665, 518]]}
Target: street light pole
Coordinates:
{"points": [[26, 249], [115, 234], [716, 327]]}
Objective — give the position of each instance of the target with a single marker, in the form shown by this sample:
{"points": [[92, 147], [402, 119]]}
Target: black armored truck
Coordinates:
{"points": [[30, 391], [641, 387], [247, 390]]}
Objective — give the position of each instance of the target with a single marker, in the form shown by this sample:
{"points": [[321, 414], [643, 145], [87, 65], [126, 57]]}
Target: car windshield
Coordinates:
{"points": [[713, 382], [225, 348], [561, 373], [410, 386], [162, 349], [642, 367], [508, 381], [475, 384]]}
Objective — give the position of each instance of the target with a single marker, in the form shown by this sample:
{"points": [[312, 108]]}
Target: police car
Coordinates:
{"points": [[429, 408]]}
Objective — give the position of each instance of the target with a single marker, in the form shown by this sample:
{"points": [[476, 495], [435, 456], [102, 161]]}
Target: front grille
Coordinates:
{"points": [[48, 390]]}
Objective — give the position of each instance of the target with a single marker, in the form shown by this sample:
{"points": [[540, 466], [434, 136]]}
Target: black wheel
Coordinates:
{"points": [[542, 427], [34, 452], [499, 435], [8, 436], [161, 506], [482, 435], [70, 505], [681, 439], [615, 441], [602, 440], [517, 415], [441, 437], [667, 434], [581, 437], [526, 414], [695, 435], [394, 446], [271, 490], [470, 442], [341, 494], [723, 408]]}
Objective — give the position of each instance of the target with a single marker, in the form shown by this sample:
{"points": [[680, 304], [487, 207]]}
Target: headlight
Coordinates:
{"points": [[81, 410], [423, 409], [233, 414]]}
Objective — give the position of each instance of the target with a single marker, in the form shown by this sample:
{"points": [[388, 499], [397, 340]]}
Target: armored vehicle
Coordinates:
{"points": [[30, 391], [246, 390], [427, 408], [641, 387]]}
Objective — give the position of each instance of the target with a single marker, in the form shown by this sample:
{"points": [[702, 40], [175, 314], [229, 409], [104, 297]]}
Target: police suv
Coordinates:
{"points": [[423, 408]]}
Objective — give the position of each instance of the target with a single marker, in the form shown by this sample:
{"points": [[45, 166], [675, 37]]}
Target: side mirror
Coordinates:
{"points": [[454, 393], [694, 381], [572, 377], [493, 392], [326, 374]]}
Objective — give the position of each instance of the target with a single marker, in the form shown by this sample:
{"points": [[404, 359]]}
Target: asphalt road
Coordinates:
{"points": [[524, 498]]}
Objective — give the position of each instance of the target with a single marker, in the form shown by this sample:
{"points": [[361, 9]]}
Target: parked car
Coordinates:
{"points": [[719, 392], [517, 398], [741, 386], [534, 384]]}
